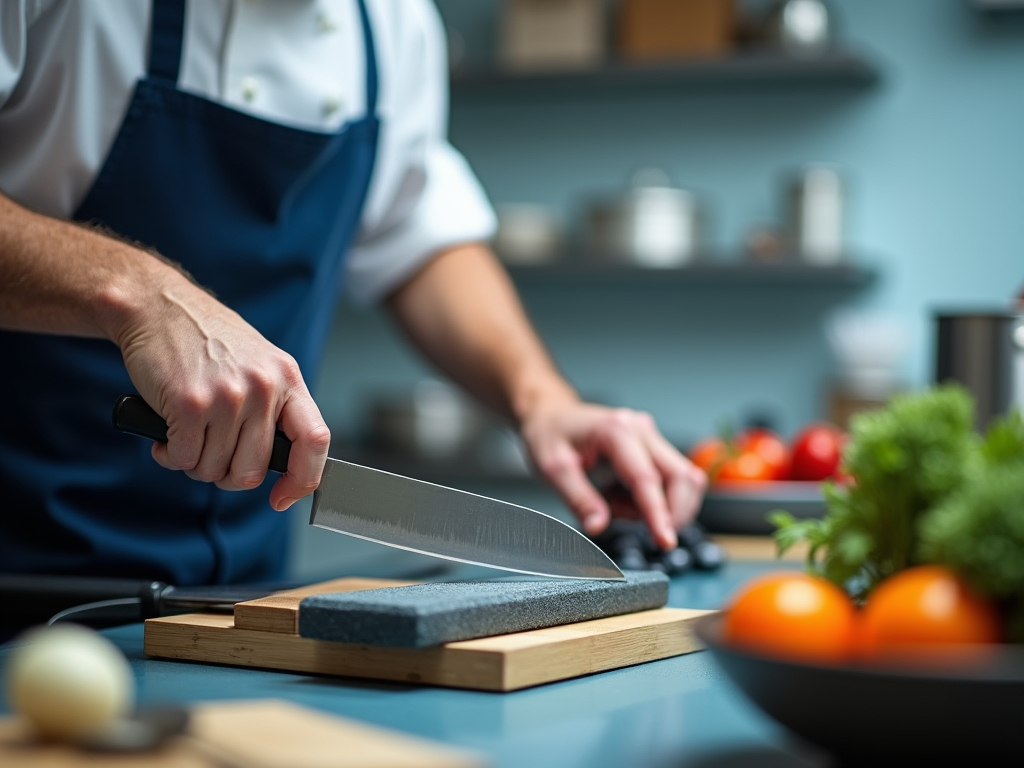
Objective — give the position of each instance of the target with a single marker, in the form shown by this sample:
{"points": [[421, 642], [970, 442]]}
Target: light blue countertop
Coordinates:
{"points": [[664, 714]]}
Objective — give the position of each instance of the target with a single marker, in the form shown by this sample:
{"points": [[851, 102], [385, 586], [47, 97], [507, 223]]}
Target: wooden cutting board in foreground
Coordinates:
{"points": [[264, 633], [256, 734]]}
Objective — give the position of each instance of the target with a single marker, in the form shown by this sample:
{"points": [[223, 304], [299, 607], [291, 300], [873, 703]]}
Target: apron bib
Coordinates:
{"points": [[258, 212]]}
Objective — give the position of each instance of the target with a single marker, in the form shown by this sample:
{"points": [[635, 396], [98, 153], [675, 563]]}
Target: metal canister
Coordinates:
{"points": [[816, 215], [651, 224], [983, 351]]}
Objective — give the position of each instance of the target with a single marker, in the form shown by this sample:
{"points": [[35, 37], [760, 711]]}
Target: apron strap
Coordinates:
{"points": [[165, 39], [371, 60]]}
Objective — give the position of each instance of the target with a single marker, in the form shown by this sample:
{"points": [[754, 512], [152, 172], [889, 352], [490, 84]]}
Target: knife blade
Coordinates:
{"points": [[420, 516]]}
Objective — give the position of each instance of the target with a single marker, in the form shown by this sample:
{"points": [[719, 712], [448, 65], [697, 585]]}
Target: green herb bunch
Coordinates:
{"points": [[927, 488], [979, 530]]}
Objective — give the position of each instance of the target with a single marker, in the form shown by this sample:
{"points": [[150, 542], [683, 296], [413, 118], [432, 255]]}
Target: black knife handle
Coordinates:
{"points": [[33, 598], [133, 415]]}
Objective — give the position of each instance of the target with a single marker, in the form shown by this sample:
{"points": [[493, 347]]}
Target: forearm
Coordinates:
{"points": [[222, 388], [60, 277], [463, 313]]}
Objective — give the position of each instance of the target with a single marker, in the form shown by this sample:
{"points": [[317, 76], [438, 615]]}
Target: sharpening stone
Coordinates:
{"points": [[424, 615]]}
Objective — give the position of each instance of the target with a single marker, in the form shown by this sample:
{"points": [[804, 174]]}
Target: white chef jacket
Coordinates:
{"points": [[68, 67]]}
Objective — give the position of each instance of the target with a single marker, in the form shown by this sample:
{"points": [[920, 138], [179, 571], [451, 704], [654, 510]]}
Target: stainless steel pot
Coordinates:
{"points": [[983, 351], [433, 420], [652, 224]]}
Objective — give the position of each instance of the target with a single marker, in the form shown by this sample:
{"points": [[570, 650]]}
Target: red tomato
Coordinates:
{"points": [[792, 615], [816, 453], [927, 605], [770, 447]]}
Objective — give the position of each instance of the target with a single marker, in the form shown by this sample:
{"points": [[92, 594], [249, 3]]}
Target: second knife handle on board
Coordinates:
{"points": [[133, 415]]}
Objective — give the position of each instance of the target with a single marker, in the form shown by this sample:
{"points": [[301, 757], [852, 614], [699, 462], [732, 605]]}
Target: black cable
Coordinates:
{"points": [[87, 608]]}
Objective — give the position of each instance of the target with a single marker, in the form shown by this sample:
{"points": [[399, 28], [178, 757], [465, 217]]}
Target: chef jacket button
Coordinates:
{"points": [[326, 23], [250, 88], [333, 104]]}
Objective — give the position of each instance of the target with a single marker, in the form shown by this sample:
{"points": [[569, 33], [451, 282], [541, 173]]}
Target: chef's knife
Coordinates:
{"points": [[423, 517]]}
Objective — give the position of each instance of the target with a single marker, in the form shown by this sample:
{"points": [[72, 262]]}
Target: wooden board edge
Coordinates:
{"points": [[218, 642], [279, 612], [266, 617], [481, 664], [602, 652]]}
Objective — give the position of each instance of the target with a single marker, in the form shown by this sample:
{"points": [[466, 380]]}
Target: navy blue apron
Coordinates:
{"points": [[260, 213]]}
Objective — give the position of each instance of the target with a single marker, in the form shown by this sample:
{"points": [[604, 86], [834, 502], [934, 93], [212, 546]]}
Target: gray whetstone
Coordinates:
{"points": [[423, 615]]}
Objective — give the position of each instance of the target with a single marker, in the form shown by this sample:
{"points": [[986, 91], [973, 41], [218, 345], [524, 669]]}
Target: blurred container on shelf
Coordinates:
{"points": [[674, 29], [815, 213], [431, 420], [552, 34], [983, 350], [870, 348], [651, 224], [527, 234], [799, 28]]}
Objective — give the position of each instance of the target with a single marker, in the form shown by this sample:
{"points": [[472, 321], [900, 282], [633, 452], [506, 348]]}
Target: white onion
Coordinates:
{"points": [[68, 681]]}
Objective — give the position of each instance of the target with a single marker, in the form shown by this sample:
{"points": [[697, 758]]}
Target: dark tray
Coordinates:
{"points": [[741, 508], [961, 714]]}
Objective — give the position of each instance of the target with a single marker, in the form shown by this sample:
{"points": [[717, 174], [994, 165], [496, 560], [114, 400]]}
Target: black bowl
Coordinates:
{"points": [[863, 715]]}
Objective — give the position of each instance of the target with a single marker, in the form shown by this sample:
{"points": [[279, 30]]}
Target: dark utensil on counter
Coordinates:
{"points": [[36, 598], [30, 599], [630, 544], [145, 730]]}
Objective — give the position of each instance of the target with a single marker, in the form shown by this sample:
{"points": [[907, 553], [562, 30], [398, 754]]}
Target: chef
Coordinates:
{"points": [[185, 190]]}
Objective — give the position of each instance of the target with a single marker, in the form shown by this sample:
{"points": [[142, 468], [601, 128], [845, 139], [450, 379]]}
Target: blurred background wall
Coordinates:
{"points": [[931, 154]]}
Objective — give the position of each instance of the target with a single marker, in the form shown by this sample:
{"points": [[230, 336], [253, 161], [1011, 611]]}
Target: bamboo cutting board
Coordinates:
{"points": [[264, 634], [248, 734]]}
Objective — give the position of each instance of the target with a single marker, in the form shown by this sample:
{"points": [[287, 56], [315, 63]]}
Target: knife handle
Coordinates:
{"points": [[133, 415], [34, 598]]}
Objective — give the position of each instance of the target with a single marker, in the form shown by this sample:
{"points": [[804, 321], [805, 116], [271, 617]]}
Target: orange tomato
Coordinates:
{"points": [[709, 454], [792, 615], [770, 447], [745, 467], [926, 606]]}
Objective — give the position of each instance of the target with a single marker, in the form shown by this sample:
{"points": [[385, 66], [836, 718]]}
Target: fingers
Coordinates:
{"points": [[224, 440], [684, 483], [666, 488], [223, 389], [627, 444], [230, 443], [563, 468], [311, 440]]}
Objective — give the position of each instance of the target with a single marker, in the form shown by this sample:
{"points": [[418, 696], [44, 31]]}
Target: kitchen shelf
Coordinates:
{"points": [[704, 274], [837, 68]]}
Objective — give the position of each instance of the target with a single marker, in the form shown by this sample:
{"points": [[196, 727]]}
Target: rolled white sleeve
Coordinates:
{"points": [[452, 209], [424, 196]]}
